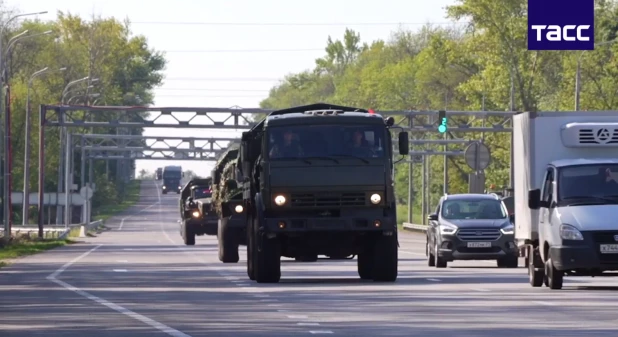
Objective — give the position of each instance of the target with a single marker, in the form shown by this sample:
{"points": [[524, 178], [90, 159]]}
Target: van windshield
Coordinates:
{"points": [[600, 180]]}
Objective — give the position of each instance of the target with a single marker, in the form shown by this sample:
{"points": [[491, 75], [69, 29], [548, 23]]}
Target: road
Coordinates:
{"points": [[140, 280]]}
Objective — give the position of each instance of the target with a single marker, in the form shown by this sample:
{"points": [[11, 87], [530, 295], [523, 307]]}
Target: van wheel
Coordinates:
{"points": [[553, 276]]}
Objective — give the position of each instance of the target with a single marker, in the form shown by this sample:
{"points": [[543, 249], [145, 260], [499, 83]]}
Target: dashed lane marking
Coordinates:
{"points": [[433, 279], [318, 332], [120, 270]]}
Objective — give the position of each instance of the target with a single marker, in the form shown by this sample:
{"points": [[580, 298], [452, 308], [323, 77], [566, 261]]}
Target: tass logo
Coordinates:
{"points": [[560, 24]]}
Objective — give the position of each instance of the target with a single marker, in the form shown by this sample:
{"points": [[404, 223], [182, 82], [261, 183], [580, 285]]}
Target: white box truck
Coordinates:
{"points": [[566, 193]]}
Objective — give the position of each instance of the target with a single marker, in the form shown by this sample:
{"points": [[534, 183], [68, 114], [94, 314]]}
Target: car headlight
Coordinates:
{"points": [[375, 198], [447, 229], [510, 229], [568, 232], [238, 209], [196, 214], [280, 200]]}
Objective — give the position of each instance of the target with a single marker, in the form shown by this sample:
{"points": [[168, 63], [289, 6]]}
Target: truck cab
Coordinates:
{"points": [[196, 212], [319, 180]]}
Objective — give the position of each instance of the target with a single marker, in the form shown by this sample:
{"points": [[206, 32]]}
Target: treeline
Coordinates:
{"points": [[464, 67], [127, 70]]}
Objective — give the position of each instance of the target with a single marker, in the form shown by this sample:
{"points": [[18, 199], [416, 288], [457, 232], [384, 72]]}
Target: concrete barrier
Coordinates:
{"points": [[414, 227], [84, 228]]}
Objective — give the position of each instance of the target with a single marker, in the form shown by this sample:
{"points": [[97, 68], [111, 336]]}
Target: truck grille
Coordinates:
{"points": [[478, 234], [335, 199]]}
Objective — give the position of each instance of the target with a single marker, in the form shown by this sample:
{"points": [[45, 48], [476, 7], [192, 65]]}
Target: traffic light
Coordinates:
{"points": [[443, 122]]}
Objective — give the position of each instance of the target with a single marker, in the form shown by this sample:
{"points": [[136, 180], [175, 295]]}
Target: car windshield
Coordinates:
{"points": [[484, 209], [588, 181], [364, 141], [202, 192]]}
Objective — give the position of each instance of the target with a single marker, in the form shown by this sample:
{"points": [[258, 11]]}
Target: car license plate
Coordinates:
{"points": [[609, 249], [479, 244]]}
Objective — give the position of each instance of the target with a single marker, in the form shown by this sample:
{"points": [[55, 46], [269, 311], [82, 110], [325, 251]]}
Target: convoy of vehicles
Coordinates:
{"points": [[471, 227], [228, 205], [172, 176], [196, 213], [566, 193], [300, 195]]}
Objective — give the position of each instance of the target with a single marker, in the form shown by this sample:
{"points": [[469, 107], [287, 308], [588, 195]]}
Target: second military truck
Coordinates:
{"points": [[172, 176], [196, 214], [319, 181]]}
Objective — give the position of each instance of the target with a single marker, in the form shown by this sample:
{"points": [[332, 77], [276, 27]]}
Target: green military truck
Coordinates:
{"points": [[319, 180], [228, 204], [196, 214]]}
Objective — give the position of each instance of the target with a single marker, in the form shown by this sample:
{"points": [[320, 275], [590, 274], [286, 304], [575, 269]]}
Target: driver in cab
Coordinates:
{"points": [[286, 148]]}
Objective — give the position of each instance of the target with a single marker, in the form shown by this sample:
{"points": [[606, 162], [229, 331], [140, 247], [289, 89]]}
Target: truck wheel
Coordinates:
{"points": [[508, 262], [267, 257], [439, 262], [250, 250], [535, 275], [553, 276], [164, 192], [364, 264], [228, 242], [188, 234], [431, 260], [385, 259]]}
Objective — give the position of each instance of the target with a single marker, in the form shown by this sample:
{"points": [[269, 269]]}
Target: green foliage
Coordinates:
{"points": [[127, 70], [458, 69]]}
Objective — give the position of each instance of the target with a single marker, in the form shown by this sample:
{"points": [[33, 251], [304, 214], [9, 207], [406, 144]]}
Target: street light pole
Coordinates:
{"points": [[6, 197], [579, 70], [28, 131]]}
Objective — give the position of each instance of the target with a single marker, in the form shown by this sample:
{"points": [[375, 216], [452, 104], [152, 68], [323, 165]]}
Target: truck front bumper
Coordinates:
{"points": [[339, 224], [452, 248], [206, 225]]}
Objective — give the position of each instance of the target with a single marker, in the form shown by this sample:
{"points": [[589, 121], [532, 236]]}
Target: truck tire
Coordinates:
{"points": [[536, 275], [553, 277], [385, 259], [267, 257], [250, 250], [228, 242], [188, 234], [508, 262], [364, 264]]}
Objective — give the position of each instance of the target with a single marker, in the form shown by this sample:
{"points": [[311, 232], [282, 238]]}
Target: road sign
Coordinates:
{"points": [[86, 192], [477, 156]]}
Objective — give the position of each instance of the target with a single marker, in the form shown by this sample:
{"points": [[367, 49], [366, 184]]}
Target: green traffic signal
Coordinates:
{"points": [[442, 128]]}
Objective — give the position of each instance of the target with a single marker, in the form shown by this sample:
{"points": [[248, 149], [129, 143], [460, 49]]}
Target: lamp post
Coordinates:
{"points": [[6, 198], [26, 198], [579, 70]]}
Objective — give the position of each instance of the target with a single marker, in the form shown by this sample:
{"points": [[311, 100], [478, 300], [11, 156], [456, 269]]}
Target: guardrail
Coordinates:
{"points": [[414, 227], [53, 231], [84, 228]]}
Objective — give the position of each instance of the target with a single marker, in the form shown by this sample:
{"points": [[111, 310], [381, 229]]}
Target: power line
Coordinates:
{"points": [[207, 89], [224, 79], [287, 24], [245, 50]]}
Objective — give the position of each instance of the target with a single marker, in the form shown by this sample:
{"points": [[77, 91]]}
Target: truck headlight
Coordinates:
{"points": [[568, 232], [280, 200], [238, 209], [447, 229], [375, 198], [196, 214], [508, 230], [164, 187]]}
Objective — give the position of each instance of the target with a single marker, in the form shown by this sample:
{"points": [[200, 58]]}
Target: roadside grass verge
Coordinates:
{"points": [[105, 212], [24, 246], [402, 216]]}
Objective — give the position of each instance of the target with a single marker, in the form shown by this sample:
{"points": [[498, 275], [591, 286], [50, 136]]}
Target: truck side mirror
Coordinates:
{"points": [[432, 217], [244, 152], [534, 199], [404, 143]]}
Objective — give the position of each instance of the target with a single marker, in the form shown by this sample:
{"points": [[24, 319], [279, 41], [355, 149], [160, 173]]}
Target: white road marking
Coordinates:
{"points": [[480, 289], [544, 303], [433, 279], [275, 305], [122, 261], [120, 270], [308, 323], [283, 310], [298, 316], [317, 332], [148, 321]]}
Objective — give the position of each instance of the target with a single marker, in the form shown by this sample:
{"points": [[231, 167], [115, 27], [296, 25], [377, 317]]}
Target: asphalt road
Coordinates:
{"points": [[140, 280]]}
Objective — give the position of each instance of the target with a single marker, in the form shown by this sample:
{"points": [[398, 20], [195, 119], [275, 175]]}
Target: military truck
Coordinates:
{"points": [[228, 204], [196, 213], [159, 173], [172, 176], [319, 181]]}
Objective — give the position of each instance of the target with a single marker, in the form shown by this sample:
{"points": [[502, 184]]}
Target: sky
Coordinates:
{"points": [[225, 61]]}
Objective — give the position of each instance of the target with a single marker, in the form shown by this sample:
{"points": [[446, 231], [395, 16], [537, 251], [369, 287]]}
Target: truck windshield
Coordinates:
{"points": [[588, 181], [172, 175], [481, 209], [364, 141], [201, 193]]}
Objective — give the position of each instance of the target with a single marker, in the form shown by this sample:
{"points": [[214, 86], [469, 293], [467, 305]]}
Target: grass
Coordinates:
{"points": [[24, 246], [132, 196]]}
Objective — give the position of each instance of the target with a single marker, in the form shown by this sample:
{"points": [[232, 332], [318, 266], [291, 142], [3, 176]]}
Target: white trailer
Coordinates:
{"points": [[566, 203]]}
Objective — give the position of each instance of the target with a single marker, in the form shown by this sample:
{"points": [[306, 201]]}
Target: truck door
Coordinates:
{"points": [[547, 195]]}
